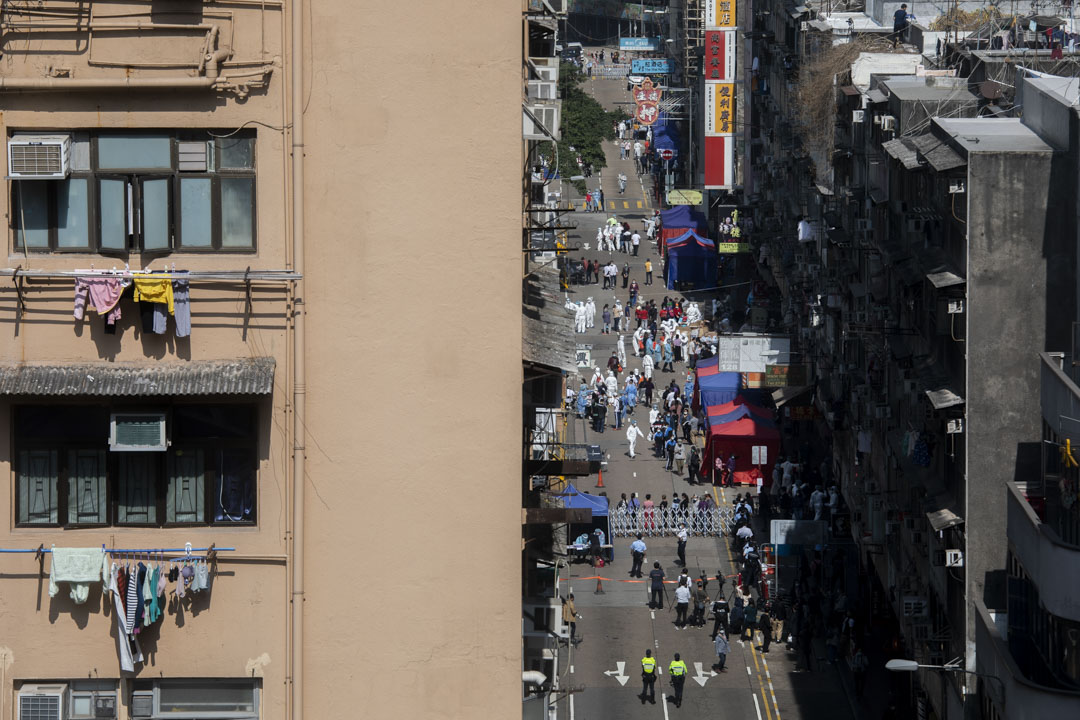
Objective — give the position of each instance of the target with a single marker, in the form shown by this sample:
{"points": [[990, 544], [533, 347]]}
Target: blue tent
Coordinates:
{"points": [[718, 389], [742, 411], [691, 262], [663, 141], [682, 217], [574, 498]]}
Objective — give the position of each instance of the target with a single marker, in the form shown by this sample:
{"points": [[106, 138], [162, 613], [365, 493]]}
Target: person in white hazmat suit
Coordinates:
{"points": [[579, 317], [633, 432], [590, 313], [639, 340], [647, 366], [621, 348], [612, 384]]}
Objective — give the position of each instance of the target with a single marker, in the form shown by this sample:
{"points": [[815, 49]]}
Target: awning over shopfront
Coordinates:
{"points": [[784, 395], [944, 279], [248, 376]]}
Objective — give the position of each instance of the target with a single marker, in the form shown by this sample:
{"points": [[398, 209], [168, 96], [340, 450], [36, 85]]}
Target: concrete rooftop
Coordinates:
{"points": [[993, 135]]}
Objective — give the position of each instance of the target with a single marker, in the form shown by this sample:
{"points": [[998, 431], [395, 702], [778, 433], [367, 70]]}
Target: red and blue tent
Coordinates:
{"points": [[691, 261]]}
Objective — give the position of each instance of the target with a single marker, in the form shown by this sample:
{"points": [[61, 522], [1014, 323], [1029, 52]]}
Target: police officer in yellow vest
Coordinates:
{"points": [[648, 678], [677, 670]]}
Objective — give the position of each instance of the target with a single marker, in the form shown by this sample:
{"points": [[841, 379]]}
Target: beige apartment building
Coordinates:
{"points": [[329, 191]]}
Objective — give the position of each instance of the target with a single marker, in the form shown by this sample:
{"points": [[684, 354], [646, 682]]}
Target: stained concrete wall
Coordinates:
{"points": [[1008, 196]]}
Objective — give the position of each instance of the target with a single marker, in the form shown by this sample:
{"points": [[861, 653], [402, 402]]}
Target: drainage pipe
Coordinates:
{"points": [[299, 351]]}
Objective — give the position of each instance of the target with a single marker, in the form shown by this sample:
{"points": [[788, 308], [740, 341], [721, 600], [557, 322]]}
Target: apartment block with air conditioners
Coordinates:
{"points": [[145, 137]]}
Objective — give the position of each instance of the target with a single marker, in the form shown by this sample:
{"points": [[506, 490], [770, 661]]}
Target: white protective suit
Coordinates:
{"points": [[693, 314], [579, 318], [633, 432], [590, 313], [639, 338], [612, 384], [669, 325], [647, 366], [622, 351], [654, 415]]}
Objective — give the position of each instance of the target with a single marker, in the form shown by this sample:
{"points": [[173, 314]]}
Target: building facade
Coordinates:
{"points": [[304, 406]]}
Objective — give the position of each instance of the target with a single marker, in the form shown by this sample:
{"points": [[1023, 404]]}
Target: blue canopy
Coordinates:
{"points": [[719, 388], [683, 217], [575, 498], [662, 141], [740, 412], [691, 262]]}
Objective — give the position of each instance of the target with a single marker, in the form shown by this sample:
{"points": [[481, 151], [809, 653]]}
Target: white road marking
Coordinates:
{"points": [[571, 706], [748, 670], [571, 669], [653, 613], [701, 677], [618, 673], [757, 706], [663, 701]]}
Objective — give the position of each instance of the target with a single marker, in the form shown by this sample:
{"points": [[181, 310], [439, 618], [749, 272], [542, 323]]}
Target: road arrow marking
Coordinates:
{"points": [[618, 674], [702, 677]]}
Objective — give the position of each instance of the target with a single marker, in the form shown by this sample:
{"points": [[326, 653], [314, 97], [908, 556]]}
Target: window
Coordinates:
{"points": [[68, 475], [200, 698], [147, 192]]}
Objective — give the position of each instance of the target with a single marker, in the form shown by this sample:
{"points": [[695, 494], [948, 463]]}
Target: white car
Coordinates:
{"points": [[636, 79]]}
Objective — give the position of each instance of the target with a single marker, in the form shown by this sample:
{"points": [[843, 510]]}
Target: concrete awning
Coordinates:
{"points": [[250, 376]]}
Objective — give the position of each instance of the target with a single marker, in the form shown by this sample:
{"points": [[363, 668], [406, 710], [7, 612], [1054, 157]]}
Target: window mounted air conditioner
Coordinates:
{"points": [[142, 704], [546, 119], [557, 7], [920, 632], [888, 123], [864, 225], [882, 412], [138, 432], [957, 186], [41, 702], [954, 427], [191, 156], [543, 90], [954, 558], [914, 606], [39, 157], [955, 307], [858, 116]]}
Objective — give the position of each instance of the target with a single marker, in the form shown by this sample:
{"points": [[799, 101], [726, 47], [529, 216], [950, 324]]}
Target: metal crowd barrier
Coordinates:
{"points": [[712, 523]]}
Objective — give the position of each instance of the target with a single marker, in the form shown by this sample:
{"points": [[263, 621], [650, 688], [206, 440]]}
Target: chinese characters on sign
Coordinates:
{"points": [[719, 68], [647, 101], [719, 13], [720, 55], [650, 66]]}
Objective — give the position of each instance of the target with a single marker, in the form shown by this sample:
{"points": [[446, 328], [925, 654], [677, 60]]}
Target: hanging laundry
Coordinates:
{"points": [[103, 295], [182, 304], [131, 599], [127, 647], [155, 298], [140, 608], [78, 567]]}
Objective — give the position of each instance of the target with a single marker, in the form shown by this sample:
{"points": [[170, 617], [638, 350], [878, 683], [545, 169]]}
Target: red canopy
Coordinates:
{"points": [[739, 437]]}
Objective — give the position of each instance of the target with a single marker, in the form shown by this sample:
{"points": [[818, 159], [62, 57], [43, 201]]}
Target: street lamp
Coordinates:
{"points": [[953, 666]]}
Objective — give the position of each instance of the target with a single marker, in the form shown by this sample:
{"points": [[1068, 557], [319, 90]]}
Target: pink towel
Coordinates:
{"points": [[104, 295]]}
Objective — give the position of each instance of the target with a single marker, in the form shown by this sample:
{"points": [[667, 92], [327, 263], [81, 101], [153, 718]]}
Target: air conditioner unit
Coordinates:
{"points": [[920, 632], [954, 427], [888, 123], [954, 558], [41, 701], [138, 432], [864, 225], [957, 186], [142, 704], [556, 6], [546, 123], [804, 26], [915, 223], [191, 156], [39, 157], [545, 620], [543, 90], [955, 307], [858, 116], [550, 73], [882, 412], [914, 606]]}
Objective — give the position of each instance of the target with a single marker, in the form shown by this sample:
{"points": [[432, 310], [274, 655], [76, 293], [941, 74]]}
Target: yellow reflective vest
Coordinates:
{"points": [[677, 668], [648, 665]]}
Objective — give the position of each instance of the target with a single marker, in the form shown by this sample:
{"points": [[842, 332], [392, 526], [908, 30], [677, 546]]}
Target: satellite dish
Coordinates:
{"points": [[990, 89]]}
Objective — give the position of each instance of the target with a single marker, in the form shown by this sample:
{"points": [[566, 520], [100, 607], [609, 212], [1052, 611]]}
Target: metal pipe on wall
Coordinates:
{"points": [[299, 349]]}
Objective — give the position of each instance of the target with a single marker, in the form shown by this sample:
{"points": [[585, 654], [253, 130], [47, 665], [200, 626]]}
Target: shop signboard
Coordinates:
{"points": [[650, 66], [720, 55], [634, 43], [728, 248], [719, 13], [684, 197]]}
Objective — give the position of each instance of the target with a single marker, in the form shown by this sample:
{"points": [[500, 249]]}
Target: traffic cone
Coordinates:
{"points": [[598, 563], [600, 478]]}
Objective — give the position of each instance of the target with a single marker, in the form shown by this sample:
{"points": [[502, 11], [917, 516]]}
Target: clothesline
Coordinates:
{"points": [[196, 275], [137, 551]]}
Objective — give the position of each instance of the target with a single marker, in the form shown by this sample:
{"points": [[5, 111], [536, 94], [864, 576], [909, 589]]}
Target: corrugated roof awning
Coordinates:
{"points": [[849, 90], [250, 376], [903, 150], [944, 279], [876, 96], [945, 515], [944, 398], [784, 395], [547, 336]]}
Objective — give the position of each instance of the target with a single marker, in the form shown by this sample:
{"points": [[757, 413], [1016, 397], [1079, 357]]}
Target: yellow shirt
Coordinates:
{"points": [[154, 290], [648, 266], [648, 665], [677, 668]]}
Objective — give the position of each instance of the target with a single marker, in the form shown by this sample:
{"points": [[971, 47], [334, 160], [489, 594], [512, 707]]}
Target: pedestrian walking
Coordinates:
{"points": [[637, 552], [682, 603], [677, 671], [765, 626], [720, 615], [682, 536], [648, 678], [635, 241], [700, 596], [569, 615], [622, 183], [656, 583], [626, 276], [680, 458], [648, 272], [633, 432], [722, 648]]}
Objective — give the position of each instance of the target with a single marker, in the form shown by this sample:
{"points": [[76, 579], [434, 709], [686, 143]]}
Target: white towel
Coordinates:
{"points": [[77, 566]]}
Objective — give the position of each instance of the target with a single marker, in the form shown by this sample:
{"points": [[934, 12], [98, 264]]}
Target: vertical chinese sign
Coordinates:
{"points": [[647, 102], [719, 105]]}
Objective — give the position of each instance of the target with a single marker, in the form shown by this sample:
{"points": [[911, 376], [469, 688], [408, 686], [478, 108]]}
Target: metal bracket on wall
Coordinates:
{"points": [[17, 280]]}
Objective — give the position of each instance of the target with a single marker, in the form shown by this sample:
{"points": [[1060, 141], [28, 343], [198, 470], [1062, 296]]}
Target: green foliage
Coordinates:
{"points": [[585, 126]]}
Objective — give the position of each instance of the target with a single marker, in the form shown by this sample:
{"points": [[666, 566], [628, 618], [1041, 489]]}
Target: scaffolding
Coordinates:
{"points": [[694, 27]]}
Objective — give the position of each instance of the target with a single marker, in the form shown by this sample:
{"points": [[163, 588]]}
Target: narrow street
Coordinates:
{"points": [[617, 625]]}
